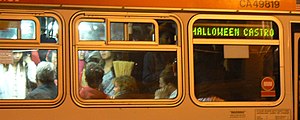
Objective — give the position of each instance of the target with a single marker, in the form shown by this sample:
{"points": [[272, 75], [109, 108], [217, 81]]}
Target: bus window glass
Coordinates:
{"points": [[248, 76], [167, 32], [49, 29], [141, 31], [132, 31], [28, 74], [117, 31], [17, 29], [28, 29], [127, 74], [92, 31]]}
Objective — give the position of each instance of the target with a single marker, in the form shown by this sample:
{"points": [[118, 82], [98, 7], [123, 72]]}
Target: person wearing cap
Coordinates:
{"points": [[18, 76], [45, 76]]}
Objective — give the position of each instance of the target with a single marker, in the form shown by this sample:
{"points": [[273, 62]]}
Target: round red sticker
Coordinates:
{"points": [[267, 84]]}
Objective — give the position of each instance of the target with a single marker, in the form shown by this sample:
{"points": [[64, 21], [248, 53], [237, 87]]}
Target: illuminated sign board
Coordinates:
{"points": [[227, 29]]}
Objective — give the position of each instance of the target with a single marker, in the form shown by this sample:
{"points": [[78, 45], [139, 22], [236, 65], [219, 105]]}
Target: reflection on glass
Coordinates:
{"points": [[127, 75], [9, 33], [28, 29], [222, 77], [9, 29], [28, 74], [92, 31]]}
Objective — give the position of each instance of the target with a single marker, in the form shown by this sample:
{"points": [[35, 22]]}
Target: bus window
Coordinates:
{"points": [[117, 31], [130, 67], [17, 29], [153, 75], [29, 68], [92, 31], [167, 32], [49, 30], [235, 60], [136, 31], [222, 78]]}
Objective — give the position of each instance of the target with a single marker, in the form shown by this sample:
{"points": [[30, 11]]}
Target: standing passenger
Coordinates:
{"points": [[107, 58], [16, 76], [45, 76]]}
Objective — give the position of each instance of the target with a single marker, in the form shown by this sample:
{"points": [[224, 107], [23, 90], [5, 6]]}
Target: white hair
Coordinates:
{"points": [[45, 72]]}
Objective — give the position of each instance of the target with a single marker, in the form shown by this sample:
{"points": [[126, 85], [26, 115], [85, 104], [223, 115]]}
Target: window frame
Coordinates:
{"points": [[125, 46], [37, 45], [25, 41]]}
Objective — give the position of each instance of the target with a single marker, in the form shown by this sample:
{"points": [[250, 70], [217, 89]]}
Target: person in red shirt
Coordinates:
{"points": [[93, 76]]}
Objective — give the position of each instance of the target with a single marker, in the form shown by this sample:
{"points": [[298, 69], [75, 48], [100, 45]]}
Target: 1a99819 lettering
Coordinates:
{"points": [[259, 3]]}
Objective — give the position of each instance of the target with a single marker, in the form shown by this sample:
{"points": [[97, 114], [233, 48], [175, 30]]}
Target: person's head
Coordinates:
{"points": [[45, 72], [17, 56], [81, 55], [125, 83], [166, 33], [167, 76], [93, 74], [106, 54]]}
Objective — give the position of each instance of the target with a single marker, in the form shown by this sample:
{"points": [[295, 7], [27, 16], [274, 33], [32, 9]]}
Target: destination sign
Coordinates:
{"points": [[224, 31]]}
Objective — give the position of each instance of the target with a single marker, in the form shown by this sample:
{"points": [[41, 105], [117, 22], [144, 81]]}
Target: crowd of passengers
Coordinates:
{"points": [[100, 77], [30, 75]]}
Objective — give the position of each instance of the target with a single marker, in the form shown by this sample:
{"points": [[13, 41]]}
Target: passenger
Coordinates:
{"points": [[35, 57], [154, 63], [45, 81], [167, 84], [93, 56], [167, 33], [107, 58], [125, 87], [52, 57], [17, 78], [94, 74]]}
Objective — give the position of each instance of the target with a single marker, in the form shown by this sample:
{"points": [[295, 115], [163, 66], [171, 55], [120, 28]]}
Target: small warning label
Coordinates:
{"points": [[272, 114], [6, 57]]}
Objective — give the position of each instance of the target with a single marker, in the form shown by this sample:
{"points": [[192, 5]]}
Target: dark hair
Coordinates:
{"points": [[20, 62], [45, 72], [93, 74], [168, 75]]}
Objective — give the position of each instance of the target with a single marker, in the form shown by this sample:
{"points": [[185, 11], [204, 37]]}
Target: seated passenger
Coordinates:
{"points": [[125, 87], [45, 76], [93, 77], [167, 84]]}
